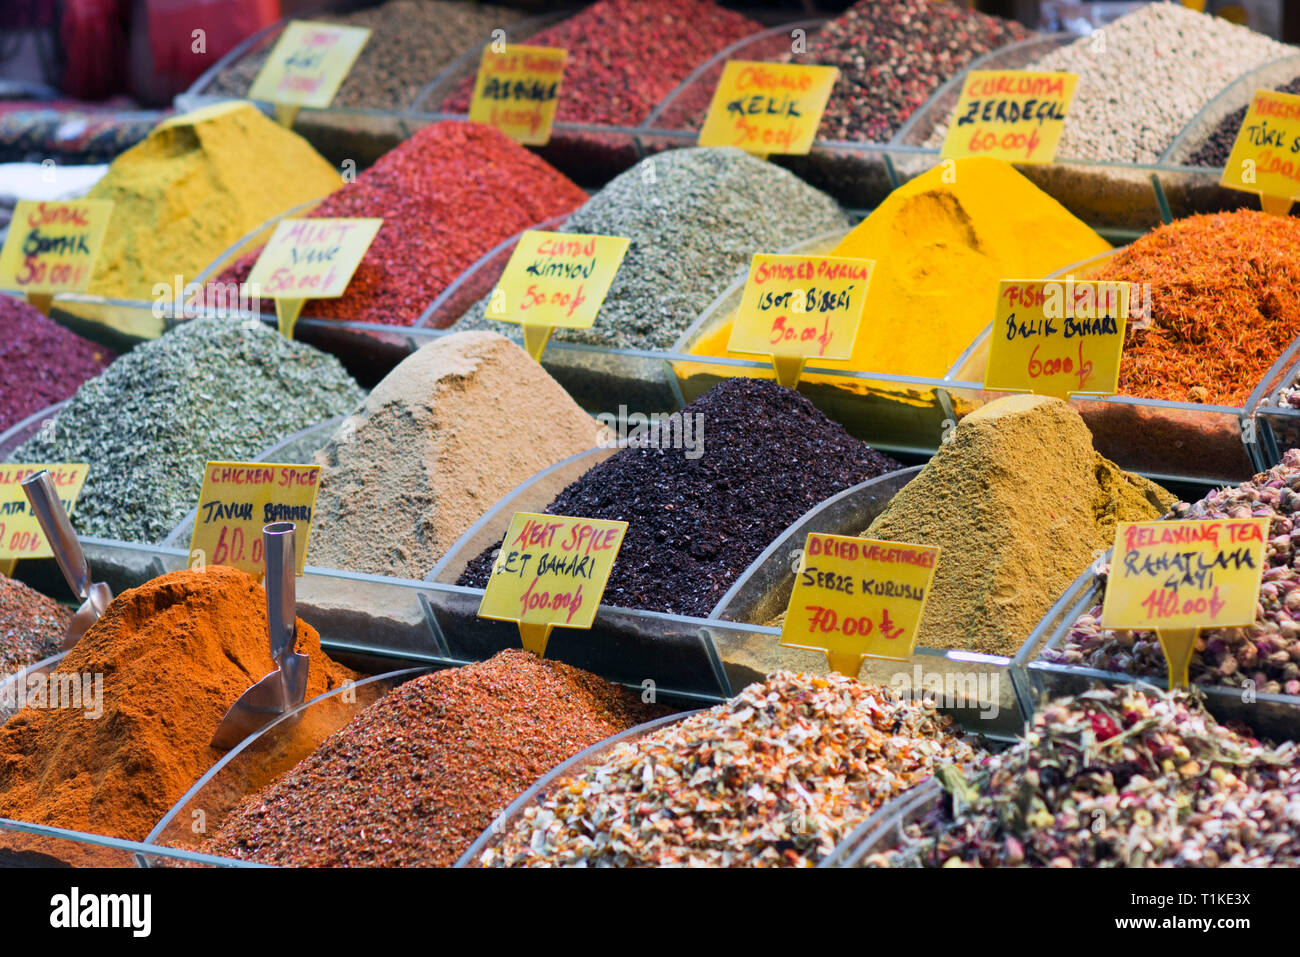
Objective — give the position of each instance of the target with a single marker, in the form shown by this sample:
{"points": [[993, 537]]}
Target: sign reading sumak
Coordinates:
{"points": [[858, 598], [768, 107], [1265, 158], [309, 63], [1013, 115], [1057, 337], [552, 570], [1177, 577], [518, 90], [51, 247], [20, 530], [238, 499], [797, 307]]}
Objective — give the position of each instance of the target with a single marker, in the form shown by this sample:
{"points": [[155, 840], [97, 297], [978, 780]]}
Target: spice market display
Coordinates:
{"points": [[506, 524]]}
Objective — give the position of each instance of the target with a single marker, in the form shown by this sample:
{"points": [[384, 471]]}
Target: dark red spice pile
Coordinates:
{"points": [[420, 774], [625, 56], [447, 195], [43, 362], [696, 523], [31, 625]]}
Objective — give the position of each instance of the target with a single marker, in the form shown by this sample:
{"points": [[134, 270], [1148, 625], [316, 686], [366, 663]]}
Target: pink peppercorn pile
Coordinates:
{"points": [[43, 363], [625, 56], [447, 195]]}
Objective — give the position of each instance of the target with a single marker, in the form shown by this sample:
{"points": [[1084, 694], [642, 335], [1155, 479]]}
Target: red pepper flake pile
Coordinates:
{"points": [[43, 362], [1224, 302], [447, 195], [31, 626], [625, 56], [419, 775]]}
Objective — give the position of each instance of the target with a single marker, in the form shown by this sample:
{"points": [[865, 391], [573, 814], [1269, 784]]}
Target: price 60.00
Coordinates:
{"points": [[230, 547]]}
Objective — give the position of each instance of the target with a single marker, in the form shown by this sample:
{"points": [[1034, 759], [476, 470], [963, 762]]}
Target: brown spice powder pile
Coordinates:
{"points": [[174, 654], [415, 778], [1020, 503]]}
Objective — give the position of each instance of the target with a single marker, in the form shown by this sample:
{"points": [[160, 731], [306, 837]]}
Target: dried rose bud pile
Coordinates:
{"points": [[1116, 778], [1266, 653], [776, 776]]}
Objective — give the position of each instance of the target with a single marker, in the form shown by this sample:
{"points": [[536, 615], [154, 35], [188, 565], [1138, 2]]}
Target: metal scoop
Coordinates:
{"points": [[49, 511], [286, 686]]}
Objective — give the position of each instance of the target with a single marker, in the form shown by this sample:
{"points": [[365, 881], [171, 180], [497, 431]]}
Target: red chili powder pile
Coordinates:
{"points": [[625, 56], [1225, 303], [43, 362], [447, 195], [173, 655]]}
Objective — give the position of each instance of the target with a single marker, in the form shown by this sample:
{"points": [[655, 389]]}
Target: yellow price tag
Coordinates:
{"points": [[21, 535], [1057, 337], [797, 307], [517, 91], [1012, 115], [858, 598], [1265, 158], [307, 65], [51, 247], [1175, 578], [768, 107], [309, 259], [238, 500], [552, 570], [556, 279]]}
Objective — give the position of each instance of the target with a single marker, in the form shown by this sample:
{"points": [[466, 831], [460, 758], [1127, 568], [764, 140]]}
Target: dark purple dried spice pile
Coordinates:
{"points": [[695, 524]]}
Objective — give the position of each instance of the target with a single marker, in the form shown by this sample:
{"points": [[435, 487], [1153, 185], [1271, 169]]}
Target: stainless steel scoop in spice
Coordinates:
{"points": [[286, 686], [49, 511]]}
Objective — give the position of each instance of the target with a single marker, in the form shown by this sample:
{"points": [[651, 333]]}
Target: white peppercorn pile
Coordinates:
{"points": [[695, 218], [211, 389]]}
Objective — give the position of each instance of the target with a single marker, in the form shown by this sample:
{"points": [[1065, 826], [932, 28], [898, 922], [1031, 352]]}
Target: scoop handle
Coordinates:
{"points": [[281, 600], [49, 511]]}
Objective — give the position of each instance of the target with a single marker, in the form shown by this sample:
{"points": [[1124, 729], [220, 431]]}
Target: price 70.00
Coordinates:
{"points": [[829, 621]]}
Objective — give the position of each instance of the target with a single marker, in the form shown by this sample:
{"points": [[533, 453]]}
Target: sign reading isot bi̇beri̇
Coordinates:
{"points": [[1175, 578], [556, 279], [238, 500], [768, 108], [307, 65], [857, 598], [798, 307], [1057, 337], [551, 570], [517, 91], [310, 259], [51, 247], [21, 535], [1012, 115], [1265, 157]]}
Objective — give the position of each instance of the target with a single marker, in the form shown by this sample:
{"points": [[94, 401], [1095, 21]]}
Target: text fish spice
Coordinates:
{"points": [[698, 514], [1224, 304], [775, 777], [416, 777], [1264, 655], [43, 362], [159, 671], [449, 194], [208, 390], [31, 627], [1116, 778]]}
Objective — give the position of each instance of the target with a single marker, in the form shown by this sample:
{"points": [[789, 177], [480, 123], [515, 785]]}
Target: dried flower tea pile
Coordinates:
{"points": [[776, 776], [1116, 778]]}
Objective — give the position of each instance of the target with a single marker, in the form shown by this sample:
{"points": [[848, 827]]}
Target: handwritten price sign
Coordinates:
{"points": [[552, 570], [307, 65], [20, 530], [556, 279], [1012, 115], [1265, 158], [768, 107], [310, 259], [51, 247], [517, 91], [857, 598], [796, 307], [238, 499], [1175, 578], [1057, 337]]}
